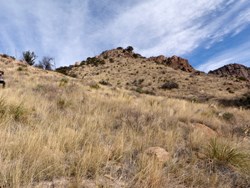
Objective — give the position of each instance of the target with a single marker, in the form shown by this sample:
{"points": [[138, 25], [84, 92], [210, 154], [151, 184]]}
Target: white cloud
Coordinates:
{"points": [[74, 30], [177, 27]]}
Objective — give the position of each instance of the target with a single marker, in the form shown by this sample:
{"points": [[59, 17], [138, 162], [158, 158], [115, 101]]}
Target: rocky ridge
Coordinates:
{"points": [[163, 76], [233, 70]]}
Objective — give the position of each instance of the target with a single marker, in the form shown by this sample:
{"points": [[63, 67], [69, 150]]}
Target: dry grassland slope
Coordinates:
{"points": [[58, 131]]}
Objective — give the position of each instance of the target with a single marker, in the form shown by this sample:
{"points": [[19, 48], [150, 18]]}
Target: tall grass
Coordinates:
{"points": [[70, 134]]}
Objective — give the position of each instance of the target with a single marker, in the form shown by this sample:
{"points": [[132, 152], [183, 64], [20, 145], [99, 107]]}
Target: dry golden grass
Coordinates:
{"points": [[56, 132]]}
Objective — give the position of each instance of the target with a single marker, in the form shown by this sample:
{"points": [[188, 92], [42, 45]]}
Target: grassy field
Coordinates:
{"points": [[56, 131]]}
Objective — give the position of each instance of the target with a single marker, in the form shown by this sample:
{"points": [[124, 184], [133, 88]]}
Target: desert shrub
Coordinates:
{"points": [[94, 86], [119, 48], [142, 91], [242, 78], [62, 103], [103, 82], [7, 56], [148, 92], [94, 61], [140, 81], [73, 75], [105, 57], [170, 85], [82, 63], [139, 90], [111, 60], [20, 69], [136, 55], [230, 90], [63, 70], [228, 116], [18, 112], [129, 49], [63, 82], [29, 57]]}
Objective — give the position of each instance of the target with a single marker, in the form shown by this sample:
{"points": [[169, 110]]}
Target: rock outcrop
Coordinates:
{"points": [[234, 70], [179, 63], [175, 62]]}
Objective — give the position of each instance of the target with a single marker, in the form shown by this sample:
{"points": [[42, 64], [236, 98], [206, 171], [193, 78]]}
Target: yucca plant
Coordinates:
{"points": [[224, 153]]}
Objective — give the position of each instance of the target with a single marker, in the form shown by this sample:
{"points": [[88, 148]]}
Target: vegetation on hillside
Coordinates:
{"points": [[59, 131]]}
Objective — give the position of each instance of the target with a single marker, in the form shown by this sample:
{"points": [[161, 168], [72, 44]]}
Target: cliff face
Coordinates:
{"points": [[234, 70]]}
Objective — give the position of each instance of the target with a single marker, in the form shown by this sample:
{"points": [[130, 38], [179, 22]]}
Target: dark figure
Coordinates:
{"points": [[2, 79]]}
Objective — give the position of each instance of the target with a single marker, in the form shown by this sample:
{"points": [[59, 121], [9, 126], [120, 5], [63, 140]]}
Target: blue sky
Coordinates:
{"points": [[210, 33]]}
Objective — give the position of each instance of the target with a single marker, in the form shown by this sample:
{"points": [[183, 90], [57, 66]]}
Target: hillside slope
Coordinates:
{"points": [[58, 131], [173, 77]]}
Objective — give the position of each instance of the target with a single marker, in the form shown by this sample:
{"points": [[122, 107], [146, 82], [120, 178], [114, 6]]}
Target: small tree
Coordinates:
{"points": [[29, 57], [47, 63]]}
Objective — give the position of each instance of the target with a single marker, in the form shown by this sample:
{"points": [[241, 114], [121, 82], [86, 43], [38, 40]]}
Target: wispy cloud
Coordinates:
{"points": [[74, 30], [177, 27], [233, 55]]}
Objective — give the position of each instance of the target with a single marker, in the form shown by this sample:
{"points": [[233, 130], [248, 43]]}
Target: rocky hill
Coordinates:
{"points": [[165, 76], [233, 70]]}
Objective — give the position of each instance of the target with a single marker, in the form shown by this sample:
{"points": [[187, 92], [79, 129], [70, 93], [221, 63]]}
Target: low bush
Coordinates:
{"points": [[170, 85], [103, 82], [94, 86], [111, 60]]}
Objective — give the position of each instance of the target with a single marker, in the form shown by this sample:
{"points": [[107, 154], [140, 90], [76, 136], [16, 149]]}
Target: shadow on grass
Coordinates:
{"points": [[243, 101]]}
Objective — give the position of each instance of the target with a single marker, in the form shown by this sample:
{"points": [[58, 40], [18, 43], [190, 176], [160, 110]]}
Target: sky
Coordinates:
{"points": [[209, 33]]}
